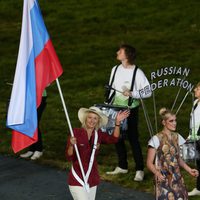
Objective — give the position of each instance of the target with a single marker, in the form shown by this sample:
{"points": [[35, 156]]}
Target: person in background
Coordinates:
{"points": [[166, 165], [195, 134], [88, 139], [129, 84], [36, 150]]}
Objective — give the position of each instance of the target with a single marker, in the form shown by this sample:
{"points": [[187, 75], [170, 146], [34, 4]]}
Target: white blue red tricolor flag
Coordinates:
{"points": [[37, 66]]}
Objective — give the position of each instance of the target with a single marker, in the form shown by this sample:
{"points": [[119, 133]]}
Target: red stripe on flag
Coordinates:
{"points": [[21, 141], [47, 69]]}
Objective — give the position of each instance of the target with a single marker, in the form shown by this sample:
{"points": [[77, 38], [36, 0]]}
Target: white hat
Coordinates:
{"points": [[82, 113]]}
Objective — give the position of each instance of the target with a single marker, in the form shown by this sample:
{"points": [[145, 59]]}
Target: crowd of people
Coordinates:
{"points": [[127, 86]]}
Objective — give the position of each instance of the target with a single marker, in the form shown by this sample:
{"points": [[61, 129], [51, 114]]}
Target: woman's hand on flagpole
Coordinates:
{"points": [[73, 141], [70, 150]]}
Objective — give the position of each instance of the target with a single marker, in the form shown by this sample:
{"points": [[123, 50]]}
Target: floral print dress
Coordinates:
{"points": [[167, 155]]}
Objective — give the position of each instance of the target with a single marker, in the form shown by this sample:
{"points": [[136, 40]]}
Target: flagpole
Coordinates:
{"points": [[71, 132]]}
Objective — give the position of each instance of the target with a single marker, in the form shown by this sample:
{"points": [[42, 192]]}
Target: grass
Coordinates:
{"points": [[86, 35]]}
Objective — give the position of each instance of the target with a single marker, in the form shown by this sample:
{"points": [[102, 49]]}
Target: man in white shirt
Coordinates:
{"points": [[195, 133], [128, 84]]}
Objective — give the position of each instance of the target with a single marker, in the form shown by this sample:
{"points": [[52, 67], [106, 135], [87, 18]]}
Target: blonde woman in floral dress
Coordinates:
{"points": [[164, 161]]}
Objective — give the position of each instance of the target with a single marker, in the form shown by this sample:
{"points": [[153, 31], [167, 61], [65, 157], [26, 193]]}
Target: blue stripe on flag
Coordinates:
{"points": [[39, 31], [30, 122]]}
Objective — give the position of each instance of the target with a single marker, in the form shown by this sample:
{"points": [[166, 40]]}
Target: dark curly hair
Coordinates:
{"points": [[130, 53]]}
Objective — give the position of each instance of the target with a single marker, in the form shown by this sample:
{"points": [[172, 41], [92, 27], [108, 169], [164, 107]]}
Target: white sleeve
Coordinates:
{"points": [[154, 142], [181, 140], [142, 88]]}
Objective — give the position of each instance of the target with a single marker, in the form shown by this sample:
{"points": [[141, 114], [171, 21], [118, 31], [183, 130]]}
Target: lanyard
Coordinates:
{"points": [[86, 186]]}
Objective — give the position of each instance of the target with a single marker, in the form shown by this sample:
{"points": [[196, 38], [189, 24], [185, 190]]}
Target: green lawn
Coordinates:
{"points": [[86, 35]]}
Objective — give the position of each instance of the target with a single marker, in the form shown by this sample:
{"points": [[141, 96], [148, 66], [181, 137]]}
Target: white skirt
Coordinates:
{"points": [[79, 193]]}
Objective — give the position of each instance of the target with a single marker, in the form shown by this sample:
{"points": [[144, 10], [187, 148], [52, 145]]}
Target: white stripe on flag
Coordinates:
{"points": [[16, 109]]}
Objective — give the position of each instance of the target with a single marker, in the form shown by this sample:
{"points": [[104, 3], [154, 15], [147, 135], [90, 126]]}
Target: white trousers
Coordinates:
{"points": [[79, 193]]}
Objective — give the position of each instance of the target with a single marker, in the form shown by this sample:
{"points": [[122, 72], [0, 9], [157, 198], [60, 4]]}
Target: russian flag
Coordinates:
{"points": [[37, 66]]}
